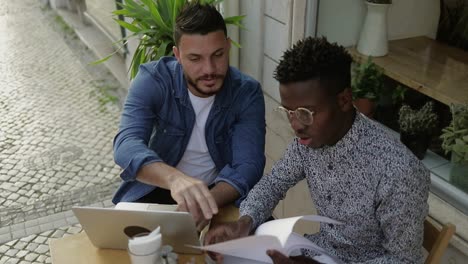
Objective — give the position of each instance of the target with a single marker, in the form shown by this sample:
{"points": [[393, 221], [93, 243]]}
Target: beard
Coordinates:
{"points": [[193, 83]]}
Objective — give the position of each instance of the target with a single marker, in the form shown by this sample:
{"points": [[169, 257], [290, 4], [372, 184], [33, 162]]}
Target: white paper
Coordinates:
{"points": [[281, 228], [276, 234]]}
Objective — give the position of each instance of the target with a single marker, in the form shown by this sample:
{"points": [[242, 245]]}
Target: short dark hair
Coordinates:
{"points": [[316, 58], [197, 18]]}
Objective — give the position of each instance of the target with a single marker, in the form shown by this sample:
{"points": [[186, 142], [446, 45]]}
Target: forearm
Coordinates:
{"points": [[260, 203], [158, 174], [386, 259], [224, 193], [272, 188]]}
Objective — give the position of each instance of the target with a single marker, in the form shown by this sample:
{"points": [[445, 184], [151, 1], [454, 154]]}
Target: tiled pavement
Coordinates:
{"points": [[56, 129]]}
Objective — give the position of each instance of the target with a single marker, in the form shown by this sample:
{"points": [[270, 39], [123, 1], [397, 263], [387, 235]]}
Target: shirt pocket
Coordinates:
{"points": [[167, 141]]}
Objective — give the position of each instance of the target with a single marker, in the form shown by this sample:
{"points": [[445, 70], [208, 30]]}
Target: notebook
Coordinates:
{"points": [[112, 227]]}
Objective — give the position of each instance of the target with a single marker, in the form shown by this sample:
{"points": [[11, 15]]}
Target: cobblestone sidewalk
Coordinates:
{"points": [[56, 128]]}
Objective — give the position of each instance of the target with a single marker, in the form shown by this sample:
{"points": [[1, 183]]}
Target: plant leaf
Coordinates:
{"points": [[128, 26], [235, 43], [162, 49]]}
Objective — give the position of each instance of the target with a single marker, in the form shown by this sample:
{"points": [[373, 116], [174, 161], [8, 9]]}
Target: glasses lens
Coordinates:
{"points": [[304, 115], [283, 112]]}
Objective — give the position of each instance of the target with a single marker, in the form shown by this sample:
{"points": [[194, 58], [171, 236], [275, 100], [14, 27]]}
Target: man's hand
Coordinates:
{"points": [[279, 258], [190, 194], [227, 231], [193, 196]]}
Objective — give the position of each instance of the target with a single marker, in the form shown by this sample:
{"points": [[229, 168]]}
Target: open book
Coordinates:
{"points": [[276, 234]]}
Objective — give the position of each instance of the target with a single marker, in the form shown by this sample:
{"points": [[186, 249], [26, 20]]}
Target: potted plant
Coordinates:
{"points": [[152, 23], [373, 39], [417, 127], [453, 25], [455, 140], [390, 102], [366, 85]]}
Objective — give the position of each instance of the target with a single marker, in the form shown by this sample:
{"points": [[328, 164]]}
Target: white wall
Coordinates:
{"points": [[340, 21]]}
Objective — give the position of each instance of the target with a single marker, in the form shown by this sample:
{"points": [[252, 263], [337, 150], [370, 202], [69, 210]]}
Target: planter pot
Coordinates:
{"points": [[459, 174], [373, 40], [418, 144], [365, 106]]}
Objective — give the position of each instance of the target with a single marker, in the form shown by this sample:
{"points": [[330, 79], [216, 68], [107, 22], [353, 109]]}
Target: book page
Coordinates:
{"points": [[296, 242], [236, 260], [275, 234], [282, 228], [251, 247]]}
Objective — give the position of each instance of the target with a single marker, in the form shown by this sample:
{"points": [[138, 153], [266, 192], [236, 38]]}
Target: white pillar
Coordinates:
{"points": [[231, 8]]}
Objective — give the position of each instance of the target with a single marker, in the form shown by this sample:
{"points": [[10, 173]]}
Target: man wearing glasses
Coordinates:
{"points": [[357, 173]]}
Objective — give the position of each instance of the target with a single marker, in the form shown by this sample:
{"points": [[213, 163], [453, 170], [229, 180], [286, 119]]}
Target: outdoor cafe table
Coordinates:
{"points": [[77, 249]]}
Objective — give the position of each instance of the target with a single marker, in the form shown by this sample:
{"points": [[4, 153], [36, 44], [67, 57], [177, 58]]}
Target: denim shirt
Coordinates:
{"points": [[158, 119]]}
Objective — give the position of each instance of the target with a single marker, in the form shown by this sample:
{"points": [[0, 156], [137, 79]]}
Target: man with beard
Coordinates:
{"points": [[357, 173], [192, 131]]}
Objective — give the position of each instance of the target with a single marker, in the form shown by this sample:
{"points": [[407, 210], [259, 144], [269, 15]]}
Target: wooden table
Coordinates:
{"points": [[428, 66], [78, 249]]}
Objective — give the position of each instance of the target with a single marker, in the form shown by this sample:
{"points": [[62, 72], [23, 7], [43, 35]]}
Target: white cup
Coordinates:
{"points": [[153, 257]]}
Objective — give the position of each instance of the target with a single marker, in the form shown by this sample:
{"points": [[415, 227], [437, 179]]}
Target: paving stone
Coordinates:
{"points": [[13, 261], [22, 253], [41, 249], [11, 252], [54, 136], [10, 243], [42, 258], [58, 233], [20, 245], [4, 259], [32, 246], [40, 239], [74, 230], [31, 257], [3, 249]]}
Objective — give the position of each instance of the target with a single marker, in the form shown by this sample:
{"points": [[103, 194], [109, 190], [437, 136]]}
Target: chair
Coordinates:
{"points": [[436, 241]]}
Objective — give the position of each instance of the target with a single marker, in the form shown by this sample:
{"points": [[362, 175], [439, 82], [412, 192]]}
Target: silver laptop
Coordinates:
{"points": [[111, 228]]}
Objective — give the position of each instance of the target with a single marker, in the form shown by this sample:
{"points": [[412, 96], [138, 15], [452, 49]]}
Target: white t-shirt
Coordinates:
{"points": [[196, 161]]}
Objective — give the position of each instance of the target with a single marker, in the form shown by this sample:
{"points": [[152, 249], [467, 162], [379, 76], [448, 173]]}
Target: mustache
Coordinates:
{"points": [[210, 77]]}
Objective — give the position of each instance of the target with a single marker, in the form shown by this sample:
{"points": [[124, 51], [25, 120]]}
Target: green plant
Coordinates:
{"points": [[398, 94], [152, 23], [380, 1], [455, 135], [417, 122], [367, 81], [453, 23]]}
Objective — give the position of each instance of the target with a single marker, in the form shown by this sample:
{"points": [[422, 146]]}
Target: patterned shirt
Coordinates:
{"points": [[369, 181]]}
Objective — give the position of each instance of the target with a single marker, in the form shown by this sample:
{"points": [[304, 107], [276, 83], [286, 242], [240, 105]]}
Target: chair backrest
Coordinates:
{"points": [[436, 241]]}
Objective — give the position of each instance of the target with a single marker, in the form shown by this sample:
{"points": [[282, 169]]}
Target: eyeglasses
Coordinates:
{"points": [[304, 115]]}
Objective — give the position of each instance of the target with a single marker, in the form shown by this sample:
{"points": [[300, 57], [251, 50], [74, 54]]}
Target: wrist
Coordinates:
{"points": [[245, 223], [172, 178]]}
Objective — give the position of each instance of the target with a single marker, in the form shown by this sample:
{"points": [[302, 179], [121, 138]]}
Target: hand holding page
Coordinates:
{"points": [[276, 234]]}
